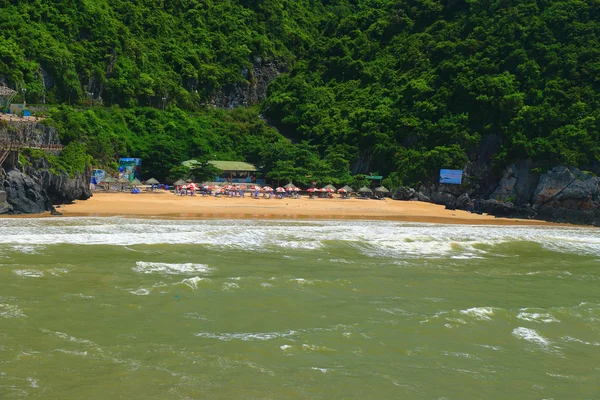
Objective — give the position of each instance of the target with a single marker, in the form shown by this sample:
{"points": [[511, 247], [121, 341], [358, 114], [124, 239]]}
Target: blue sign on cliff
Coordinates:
{"points": [[451, 176]]}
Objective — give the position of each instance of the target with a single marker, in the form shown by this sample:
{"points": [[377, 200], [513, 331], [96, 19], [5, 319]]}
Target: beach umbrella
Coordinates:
{"points": [[342, 190], [180, 182], [254, 187], [330, 187], [296, 189], [364, 189], [382, 189], [280, 190], [267, 188], [152, 181], [312, 190], [242, 187]]}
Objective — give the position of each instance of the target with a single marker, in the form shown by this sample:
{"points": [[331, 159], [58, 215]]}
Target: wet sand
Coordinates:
{"points": [[166, 205]]}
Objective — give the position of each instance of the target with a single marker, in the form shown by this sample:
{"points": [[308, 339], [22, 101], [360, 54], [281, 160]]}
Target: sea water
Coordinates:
{"points": [[115, 308]]}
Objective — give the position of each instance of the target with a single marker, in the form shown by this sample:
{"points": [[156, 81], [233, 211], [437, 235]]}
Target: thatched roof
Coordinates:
{"points": [[364, 189], [233, 166], [180, 182], [382, 189], [135, 182], [290, 186], [123, 180], [348, 189], [329, 187], [152, 181], [109, 179]]}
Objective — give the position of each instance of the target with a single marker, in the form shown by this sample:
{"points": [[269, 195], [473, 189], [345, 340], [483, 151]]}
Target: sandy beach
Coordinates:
{"points": [[166, 205]]}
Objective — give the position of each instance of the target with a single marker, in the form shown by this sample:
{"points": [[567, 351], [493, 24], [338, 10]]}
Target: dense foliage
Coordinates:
{"points": [[416, 84], [397, 87], [164, 139]]}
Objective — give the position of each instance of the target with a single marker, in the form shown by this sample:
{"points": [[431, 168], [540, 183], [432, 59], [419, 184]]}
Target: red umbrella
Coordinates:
{"points": [[342, 190], [267, 188], [280, 190], [312, 189]]}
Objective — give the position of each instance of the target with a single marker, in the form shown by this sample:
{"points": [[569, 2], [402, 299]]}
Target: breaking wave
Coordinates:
{"points": [[371, 238], [170, 269]]}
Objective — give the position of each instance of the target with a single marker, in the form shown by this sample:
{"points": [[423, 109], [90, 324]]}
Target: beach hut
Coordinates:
{"points": [[180, 182], [381, 191], [329, 188], [348, 189], [365, 192], [152, 182], [290, 187], [135, 182], [123, 183], [107, 181]]}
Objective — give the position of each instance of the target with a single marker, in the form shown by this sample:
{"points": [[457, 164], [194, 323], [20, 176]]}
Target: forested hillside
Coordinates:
{"points": [[398, 87]]}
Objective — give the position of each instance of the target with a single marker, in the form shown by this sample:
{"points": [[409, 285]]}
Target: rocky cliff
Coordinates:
{"points": [[561, 194], [254, 91], [37, 190]]}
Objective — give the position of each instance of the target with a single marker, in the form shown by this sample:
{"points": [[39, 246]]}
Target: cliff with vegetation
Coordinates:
{"points": [[321, 90]]}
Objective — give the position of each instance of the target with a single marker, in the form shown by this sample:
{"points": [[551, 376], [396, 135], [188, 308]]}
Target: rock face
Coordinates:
{"points": [[37, 190], [562, 194], [259, 76]]}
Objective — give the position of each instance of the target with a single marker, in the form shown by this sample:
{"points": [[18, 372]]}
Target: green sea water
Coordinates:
{"points": [[114, 308]]}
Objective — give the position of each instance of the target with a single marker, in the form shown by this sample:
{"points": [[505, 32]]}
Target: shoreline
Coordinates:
{"points": [[165, 205]]}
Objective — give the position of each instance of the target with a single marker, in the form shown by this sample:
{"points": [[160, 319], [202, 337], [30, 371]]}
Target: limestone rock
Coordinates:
{"points": [[404, 193]]}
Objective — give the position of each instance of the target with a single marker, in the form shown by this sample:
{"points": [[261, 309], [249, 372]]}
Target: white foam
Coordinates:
{"points": [[29, 273], [397, 240], [228, 286], [246, 337], [480, 313], [26, 249], [139, 292], [170, 269], [537, 317], [68, 338], [531, 335], [285, 347], [312, 347], [572, 339], [193, 282], [11, 311]]}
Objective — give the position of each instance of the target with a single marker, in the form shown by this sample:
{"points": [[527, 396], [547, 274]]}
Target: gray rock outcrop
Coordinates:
{"points": [[562, 194], [258, 77], [37, 190]]}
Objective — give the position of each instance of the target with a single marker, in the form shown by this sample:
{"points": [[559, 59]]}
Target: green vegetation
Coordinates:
{"points": [[397, 87]]}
